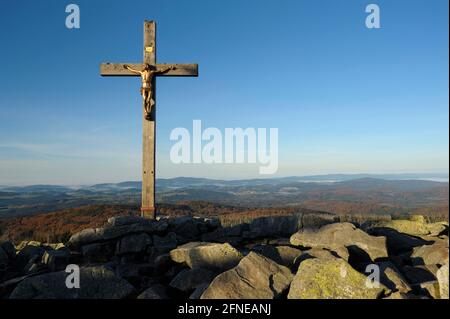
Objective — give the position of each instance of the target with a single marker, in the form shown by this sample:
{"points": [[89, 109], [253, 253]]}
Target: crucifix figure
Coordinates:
{"points": [[148, 71], [147, 75]]}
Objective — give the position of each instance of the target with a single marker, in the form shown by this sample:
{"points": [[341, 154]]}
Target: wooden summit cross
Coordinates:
{"points": [[148, 71]]}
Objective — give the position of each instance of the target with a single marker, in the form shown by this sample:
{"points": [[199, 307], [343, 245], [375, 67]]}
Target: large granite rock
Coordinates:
{"points": [[56, 260], [391, 277], [418, 218], [317, 220], [225, 234], [98, 252], [321, 253], [398, 243], [207, 255], [190, 279], [25, 243], [133, 244], [409, 227], [442, 277], [116, 230], [430, 288], [331, 278], [397, 295], [338, 235], [4, 260], [438, 229], [197, 294], [135, 273], [28, 254], [191, 228], [402, 295], [420, 274], [95, 283], [255, 277], [8, 249], [126, 220], [164, 244], [436, 254], [275, 226], [283, 255], [156, 291]]}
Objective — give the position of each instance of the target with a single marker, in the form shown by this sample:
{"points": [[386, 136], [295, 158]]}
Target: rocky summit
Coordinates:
{"points": [[283, 257]]}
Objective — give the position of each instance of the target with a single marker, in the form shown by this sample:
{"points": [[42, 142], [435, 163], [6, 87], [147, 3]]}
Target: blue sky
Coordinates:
{"points": [[344, 98]]}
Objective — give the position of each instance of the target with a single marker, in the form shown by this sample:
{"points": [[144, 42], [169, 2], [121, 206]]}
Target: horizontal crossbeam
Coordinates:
{"points": [[117, 69]]}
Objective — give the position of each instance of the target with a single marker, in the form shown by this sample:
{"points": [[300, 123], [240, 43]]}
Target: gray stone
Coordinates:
{"points": [[127, 220], [156, 291], [397, 295], [98, 252], [133, 271], [199, 291], [165, 243], [397, 242], [402, 295], [8, 249], [25, 243], [162, 262], [90, 235], [420, 274], [34, 268], [190, 279], [430, 288], [274, 226], [85, 237], [252, 234], [255, 277], [207, 255], [418, 218], [283, 255], [186, 227], [391, 277], [317, 220], [410, 227], [212, 223], [4, 260], [340, 235], [436, 254], [133, 244], [331, 278], [437, 229], [95, 283], [322, 253], [28, 254], [223, 235], [56, 259], [442, 277], [279, 241]]}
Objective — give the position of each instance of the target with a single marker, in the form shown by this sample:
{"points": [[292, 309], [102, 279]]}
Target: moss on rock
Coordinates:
{"points": [[331, 279]]}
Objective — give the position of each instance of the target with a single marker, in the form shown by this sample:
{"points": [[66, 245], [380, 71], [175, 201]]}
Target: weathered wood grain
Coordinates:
{"points": [[148, 131], [117, 69], [148, 125]]}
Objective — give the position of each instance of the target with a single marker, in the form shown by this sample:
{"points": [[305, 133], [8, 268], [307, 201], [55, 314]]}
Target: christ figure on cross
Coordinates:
{"points": [[148, 71], [147, 75]]}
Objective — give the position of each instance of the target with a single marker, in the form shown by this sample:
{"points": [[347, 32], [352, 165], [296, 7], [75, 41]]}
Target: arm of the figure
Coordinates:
{"points": [[126, 66], [167, 68]]}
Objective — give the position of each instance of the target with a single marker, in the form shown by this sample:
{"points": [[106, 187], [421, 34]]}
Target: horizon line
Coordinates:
{"points": [[426, 176]]}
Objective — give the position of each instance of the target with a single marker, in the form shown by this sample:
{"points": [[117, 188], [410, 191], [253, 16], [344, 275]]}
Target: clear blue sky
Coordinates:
{"points": [[345, 99]]}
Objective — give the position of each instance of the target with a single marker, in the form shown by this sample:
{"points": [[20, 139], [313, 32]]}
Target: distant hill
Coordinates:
{"points": [[361, 190], [368, 183]]}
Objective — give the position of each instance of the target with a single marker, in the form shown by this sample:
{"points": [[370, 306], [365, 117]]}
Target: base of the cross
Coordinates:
{"points": [[148, 212]]}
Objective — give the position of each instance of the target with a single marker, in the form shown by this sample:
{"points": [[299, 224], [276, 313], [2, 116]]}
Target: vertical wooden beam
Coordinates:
{"points": [[148, 131]]}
